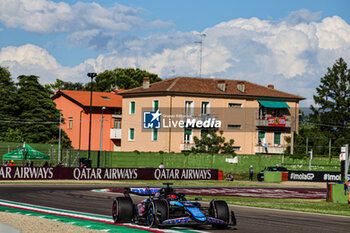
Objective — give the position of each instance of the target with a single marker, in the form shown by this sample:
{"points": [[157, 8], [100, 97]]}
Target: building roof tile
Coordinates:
{"points": [[189, 85], [99, 99]]}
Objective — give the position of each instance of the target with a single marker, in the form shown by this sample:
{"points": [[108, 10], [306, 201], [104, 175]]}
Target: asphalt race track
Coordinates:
{"points": [[80, 198], [279, 193]]}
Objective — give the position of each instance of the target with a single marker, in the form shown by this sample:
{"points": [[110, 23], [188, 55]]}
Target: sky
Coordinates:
{"points": [[286, 43]]}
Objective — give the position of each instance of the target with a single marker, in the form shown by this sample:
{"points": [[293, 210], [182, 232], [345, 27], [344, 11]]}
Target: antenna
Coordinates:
{"points": [[173, 70], [202, 35]]}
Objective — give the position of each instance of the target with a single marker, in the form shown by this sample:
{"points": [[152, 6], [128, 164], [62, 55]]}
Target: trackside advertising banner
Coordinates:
{"points": [[314, 176], [70, 173]]}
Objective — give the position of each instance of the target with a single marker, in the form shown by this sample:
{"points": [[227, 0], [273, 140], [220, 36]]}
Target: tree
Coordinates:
{"points": [[123, 78], [308, 138], [8, 106], [332, 117], [37, 112], [62, 85], [212, 143]]}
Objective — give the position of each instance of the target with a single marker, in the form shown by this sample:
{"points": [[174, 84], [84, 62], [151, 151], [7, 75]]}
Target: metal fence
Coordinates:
{"points": [[68, 157]]}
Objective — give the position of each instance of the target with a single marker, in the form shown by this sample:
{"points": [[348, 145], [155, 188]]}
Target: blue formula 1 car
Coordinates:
{"points": [[166, 208]]}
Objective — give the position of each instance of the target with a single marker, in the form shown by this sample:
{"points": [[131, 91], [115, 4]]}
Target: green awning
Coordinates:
{"points": [[273, 104]]}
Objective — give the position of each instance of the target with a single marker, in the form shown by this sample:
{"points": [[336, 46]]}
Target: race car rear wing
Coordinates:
{"points": [[141, 191], [147, 191]]}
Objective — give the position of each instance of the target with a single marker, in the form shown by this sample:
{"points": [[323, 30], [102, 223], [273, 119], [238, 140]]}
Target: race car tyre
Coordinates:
{"points": [[219, 210], [122, 210], [158, 212]]}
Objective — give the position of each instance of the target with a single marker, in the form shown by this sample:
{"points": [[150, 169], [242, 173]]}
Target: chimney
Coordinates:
{"points": [[241, 86], [271, 86], [145, 84], [222, 85]]}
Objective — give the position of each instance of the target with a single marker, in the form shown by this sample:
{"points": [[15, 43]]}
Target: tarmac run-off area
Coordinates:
{"points": [[280, 193]]}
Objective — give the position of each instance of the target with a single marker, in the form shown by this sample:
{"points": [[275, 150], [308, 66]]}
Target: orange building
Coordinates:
{"points": [[106, 115], [167, 115]]}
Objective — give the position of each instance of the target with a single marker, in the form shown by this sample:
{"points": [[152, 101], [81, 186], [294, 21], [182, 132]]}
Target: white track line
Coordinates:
{"points": [[291, 211], [70, 213]]}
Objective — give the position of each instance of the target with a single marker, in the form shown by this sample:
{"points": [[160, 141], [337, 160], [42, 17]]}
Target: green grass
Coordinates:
{"points": [[304, 205]]}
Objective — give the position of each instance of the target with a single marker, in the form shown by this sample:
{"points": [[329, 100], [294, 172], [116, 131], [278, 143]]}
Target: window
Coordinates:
{"points": [[117, 111], [188, 136], [70, 123], [155, 105], [117, 123], [105, 97], [205, 108], [237, 148], [234, 105], [131, 134], [261, 138], [132, 107], [236, 127], [277, 138], [155, 135], [188, 107]]}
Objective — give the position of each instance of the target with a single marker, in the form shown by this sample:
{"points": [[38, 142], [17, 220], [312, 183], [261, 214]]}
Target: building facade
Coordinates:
{"points": [[254, 116], [106, 119]]}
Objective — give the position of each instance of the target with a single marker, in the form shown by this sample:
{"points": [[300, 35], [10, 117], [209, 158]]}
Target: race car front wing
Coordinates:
{"points": [[186, 221]]}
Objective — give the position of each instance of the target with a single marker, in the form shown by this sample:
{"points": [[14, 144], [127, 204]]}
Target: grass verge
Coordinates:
{"points": [[305, 205]]}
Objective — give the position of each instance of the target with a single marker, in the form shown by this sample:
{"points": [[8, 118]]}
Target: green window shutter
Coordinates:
{"points": [[155, 134], [132, 107], [155, 105], [132, 134], [261, 134], [277, 138], [188, 131]]}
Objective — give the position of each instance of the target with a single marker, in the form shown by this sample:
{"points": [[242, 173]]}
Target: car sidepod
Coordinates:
{"points": [[194, 217]]}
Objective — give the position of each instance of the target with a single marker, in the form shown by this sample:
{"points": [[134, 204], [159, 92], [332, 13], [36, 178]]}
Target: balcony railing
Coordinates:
{"points": [[116, 134], [186, 146], [271, 121], [270, 149]]}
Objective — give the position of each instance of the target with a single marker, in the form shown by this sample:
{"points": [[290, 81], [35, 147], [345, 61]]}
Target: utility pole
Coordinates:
{"points": [[200, 52], [59, 140], [307, 145], [346, 162], [292, 137], [330, 149], [91, 75], [101, 139]]}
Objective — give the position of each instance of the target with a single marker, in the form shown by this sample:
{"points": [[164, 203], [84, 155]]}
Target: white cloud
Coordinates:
{"points": [[302, 16], [293, 57], [33, 60], [45, 16]]}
